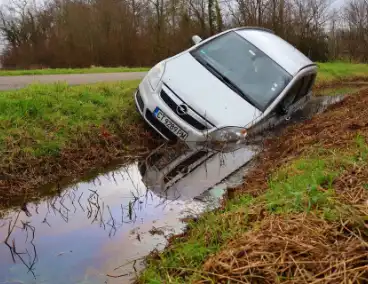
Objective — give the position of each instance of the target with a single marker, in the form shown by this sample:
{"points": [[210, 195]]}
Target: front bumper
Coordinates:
{"points": [[146, 102]]}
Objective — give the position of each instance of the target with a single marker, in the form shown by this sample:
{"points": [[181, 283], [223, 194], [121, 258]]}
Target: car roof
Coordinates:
{"points": [[282, 52]]}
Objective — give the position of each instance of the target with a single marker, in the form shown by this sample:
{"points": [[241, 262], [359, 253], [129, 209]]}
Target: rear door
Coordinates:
{"points": [[295, 99]]}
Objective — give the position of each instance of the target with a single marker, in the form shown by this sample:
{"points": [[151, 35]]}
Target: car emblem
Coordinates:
{"points": [[181, 110]]}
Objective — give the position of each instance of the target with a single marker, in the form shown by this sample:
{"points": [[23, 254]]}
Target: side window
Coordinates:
{"points": [[289, 98], [300, 89], [308, 82]]}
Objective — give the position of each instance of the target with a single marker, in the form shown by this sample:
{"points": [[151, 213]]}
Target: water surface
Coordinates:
{"points": [[107, 225]]}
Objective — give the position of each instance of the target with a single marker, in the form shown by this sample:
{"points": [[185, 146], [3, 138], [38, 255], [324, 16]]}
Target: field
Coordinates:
{"points": [[92, 70], [332, 71], [52, 131], [42, 119]]}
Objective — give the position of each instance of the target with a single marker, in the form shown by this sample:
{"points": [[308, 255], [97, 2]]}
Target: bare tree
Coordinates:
{"points": [[81, 33]]}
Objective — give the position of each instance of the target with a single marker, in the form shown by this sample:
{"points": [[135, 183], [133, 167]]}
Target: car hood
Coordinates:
{"points": [[206, 94]]}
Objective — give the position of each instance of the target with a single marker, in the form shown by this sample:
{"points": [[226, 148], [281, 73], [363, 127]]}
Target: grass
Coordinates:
{"points": [[318, 169], [331, 71], [42, 119], [206, 236], [49, 133], [303, 185], [92, 70], [296, 187]]}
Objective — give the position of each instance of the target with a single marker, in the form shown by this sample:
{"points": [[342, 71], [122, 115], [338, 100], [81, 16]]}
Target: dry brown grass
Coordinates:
{"points": [[334, 129], [292, 249], [304, 248], [289, 247], [352, 186], [355, 81]]}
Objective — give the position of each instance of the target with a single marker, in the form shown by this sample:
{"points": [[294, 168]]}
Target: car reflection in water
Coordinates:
{"points": [[100, 224], [182, 172]]}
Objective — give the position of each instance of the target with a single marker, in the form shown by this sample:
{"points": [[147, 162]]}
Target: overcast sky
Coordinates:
{"points": [[338, 3]]}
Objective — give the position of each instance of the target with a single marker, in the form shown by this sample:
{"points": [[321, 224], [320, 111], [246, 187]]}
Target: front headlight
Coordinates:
{"points": [[228, 134], [226, 139], [154, 76]]}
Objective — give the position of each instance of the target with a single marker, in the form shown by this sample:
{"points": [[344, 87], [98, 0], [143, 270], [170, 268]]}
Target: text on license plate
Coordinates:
{"points": [[169, 124]]}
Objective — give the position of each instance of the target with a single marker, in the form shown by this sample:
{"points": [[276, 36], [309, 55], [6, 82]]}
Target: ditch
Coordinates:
{"points": [[100, 229]]}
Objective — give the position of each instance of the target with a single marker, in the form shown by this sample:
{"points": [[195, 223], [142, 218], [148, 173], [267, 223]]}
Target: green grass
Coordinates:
{"points": [[303, 185], [297, 187], [92, 70], [42, 119], [331, 71], [206, 236]]}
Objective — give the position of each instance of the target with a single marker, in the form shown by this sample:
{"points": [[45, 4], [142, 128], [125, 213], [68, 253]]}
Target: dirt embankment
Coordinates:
{"points": [[304, 248], [22, 176], [334, 129], [290, 246], [294, 249], [355, 81]]}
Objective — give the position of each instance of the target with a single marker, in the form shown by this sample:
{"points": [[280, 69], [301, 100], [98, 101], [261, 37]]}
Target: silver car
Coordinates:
{"points": [[224, 87]]}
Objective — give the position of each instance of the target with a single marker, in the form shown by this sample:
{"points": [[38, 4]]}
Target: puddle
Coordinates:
{"points": [[100, 229], [93, 228]]}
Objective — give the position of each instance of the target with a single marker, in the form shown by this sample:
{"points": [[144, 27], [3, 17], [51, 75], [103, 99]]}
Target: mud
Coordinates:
{"points": [[357, 81]]}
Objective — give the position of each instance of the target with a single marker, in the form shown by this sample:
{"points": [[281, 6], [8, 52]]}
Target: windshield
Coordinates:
{"points": [[244, 68]]}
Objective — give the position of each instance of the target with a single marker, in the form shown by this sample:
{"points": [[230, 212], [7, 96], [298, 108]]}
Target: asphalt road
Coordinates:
{"points": [[16, 82]]}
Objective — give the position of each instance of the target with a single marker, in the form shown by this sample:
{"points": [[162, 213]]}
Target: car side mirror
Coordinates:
{"points": [[196, 39]]}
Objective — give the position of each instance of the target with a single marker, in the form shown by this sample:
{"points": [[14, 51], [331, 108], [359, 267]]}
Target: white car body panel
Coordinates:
{"points": [[282, 52], [206, 94]]}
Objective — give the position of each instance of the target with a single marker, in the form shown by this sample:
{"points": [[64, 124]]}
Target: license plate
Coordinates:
{"points": [[169, 124]]}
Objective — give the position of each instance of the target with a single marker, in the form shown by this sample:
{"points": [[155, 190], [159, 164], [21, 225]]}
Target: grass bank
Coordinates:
{"points": [[92, 70], [299, 217], [52, 131], [41, 119], [336, 71]]}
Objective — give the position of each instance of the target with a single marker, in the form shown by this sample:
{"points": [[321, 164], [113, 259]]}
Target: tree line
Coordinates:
{"points": [[83, 33]]}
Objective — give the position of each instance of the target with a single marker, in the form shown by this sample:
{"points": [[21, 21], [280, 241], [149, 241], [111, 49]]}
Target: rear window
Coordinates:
{"points": [[300, 89]]}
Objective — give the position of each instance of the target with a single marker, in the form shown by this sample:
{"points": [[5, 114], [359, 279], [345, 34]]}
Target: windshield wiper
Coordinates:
{"points": [[226, 80]]}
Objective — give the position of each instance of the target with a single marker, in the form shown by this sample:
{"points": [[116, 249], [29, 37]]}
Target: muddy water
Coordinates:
{"points": [[99, 231], [105, 226]]}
